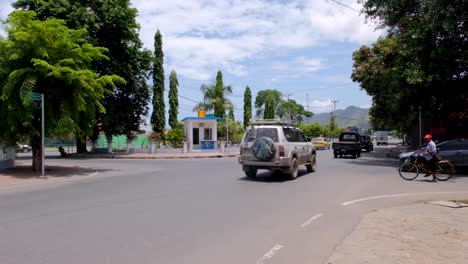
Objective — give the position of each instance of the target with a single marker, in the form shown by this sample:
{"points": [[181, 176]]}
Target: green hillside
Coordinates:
{"points": [[351, 116]]}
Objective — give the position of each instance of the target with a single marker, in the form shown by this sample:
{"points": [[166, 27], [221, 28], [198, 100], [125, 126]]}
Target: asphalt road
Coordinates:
{"points": [[201, 211]]}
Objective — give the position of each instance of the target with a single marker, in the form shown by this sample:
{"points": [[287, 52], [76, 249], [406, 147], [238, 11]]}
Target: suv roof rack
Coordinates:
{"points": [[272, 122]]}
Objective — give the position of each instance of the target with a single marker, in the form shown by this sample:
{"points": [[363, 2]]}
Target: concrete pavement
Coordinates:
{"points": [[417, 233]]}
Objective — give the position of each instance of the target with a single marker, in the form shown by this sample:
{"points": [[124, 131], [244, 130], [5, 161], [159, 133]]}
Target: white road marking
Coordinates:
{"points": [[396, 195], [269, 254], [313, 218]]}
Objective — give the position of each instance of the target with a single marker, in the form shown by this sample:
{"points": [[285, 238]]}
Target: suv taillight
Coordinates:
{"points": [[281, 151], [241, 150]]}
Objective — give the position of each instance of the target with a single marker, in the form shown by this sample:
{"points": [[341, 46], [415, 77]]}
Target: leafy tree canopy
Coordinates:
{"points": [[292, 111], [110, 24], [421, 62], [262, 95], [47, 57]]}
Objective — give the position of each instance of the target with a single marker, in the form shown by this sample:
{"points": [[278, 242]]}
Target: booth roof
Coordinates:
{"points": [[214, 118]]}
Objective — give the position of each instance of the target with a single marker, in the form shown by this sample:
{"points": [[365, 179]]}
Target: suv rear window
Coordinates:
{"points": [[348, 137], [254, 133]]}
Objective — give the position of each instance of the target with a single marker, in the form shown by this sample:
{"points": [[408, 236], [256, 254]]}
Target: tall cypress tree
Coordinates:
{"points": [[247, 106], [269, 112], [219, 107], [158, 117], [173, 100]]}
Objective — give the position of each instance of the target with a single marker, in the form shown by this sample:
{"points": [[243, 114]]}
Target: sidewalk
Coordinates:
{"points": [[413, 234], [190, 155]]}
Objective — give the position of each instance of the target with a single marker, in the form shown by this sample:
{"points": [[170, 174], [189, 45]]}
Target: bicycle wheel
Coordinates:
{"points": [[408, 170], [447, 171]]}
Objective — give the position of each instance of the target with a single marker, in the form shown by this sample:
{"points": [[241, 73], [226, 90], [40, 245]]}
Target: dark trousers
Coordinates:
{"points": [[431, 164]]}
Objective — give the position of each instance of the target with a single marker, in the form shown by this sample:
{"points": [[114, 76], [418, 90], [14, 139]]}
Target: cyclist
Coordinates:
{"points": [[428, 155]]}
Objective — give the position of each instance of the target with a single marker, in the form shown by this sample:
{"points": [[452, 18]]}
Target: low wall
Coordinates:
{"points": [[6, 164]]}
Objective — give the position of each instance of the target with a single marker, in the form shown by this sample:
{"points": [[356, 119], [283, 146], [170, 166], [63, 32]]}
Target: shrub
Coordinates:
{"points": [[175, 137]]}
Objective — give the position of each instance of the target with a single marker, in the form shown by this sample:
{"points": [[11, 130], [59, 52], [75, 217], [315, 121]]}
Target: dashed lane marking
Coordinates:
{"points": [[269, 254], [313, 218]]}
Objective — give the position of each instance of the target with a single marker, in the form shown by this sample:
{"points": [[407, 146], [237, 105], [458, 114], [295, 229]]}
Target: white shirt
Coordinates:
{"points": [[430, 148]]}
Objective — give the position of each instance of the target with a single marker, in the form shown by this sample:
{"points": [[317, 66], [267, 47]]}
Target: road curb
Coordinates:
{"points": [[153, 157]]}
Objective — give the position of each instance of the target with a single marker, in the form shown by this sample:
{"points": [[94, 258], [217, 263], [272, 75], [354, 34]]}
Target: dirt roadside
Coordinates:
{"points": [[412, 234]]}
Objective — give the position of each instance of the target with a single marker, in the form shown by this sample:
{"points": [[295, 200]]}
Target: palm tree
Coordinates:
{"points": [[214, 97]]}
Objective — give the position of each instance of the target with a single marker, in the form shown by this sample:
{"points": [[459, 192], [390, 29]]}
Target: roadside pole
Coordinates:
{"points": [[42, 137], [420, 125]]}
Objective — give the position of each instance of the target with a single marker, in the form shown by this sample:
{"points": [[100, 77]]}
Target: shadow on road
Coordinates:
{"points": [[276, 176], [25, 171]]}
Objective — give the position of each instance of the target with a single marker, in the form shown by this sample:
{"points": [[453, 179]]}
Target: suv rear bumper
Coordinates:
{"points": [[275, 164]]}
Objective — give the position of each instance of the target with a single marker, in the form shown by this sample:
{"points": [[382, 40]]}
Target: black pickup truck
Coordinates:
{"points": [[349, 144]]}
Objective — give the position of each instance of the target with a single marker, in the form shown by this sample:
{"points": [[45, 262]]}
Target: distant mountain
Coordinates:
{"points": [[351, 116]]}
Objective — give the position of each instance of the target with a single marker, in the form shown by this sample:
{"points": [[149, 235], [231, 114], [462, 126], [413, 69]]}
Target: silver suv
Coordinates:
{"points": [[275, 145]]}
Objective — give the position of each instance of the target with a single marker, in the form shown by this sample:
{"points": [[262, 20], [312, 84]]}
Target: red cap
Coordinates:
{"points": [[428, 136]]}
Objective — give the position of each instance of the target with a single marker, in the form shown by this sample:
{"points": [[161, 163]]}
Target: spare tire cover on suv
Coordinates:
{"points": [[264, 149]]}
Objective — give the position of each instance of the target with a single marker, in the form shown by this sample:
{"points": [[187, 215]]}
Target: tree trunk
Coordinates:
{"points": [[81, 145], [37, 153], [109, 144]]}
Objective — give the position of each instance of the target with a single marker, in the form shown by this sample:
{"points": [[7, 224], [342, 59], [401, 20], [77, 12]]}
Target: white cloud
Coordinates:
{"points": [[295, 68], [202, 36]]}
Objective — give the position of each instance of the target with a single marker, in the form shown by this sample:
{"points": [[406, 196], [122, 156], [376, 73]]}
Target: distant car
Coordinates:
{"points": [[321, 143], [22, 148], [366, 143], [349, 143], [455, 151]]}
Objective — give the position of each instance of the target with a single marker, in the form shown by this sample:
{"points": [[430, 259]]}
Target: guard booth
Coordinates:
{"points": [[201, 132]]}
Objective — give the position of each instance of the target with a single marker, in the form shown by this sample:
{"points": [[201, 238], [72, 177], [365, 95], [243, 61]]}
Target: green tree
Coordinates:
{"points": [[313, 130], [292, 111], [47, 57], [385, 72], [421, 62], [214, 97], [158, 118], [173, 100], [333, 129], [260, 100], [235, 129], [247, 106], [175, 137], [110, 24], [269, 112], [231, 113]]}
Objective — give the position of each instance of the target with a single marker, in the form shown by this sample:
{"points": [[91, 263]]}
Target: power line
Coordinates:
{"points": [[188, 99], [345, 5]]}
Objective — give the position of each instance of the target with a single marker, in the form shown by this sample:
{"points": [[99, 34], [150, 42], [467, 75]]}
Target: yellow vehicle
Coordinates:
{"points": [[321, 143]]}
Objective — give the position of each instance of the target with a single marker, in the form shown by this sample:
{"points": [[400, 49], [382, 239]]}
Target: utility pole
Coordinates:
{"points": [[307, 95], [289, 109], [334, 105]]}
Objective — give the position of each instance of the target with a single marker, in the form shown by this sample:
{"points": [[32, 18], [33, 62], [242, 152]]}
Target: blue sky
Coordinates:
{"points": [[298, 47]]}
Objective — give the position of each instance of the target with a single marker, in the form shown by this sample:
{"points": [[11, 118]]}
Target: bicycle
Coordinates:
{"points": [[409, 170]]}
